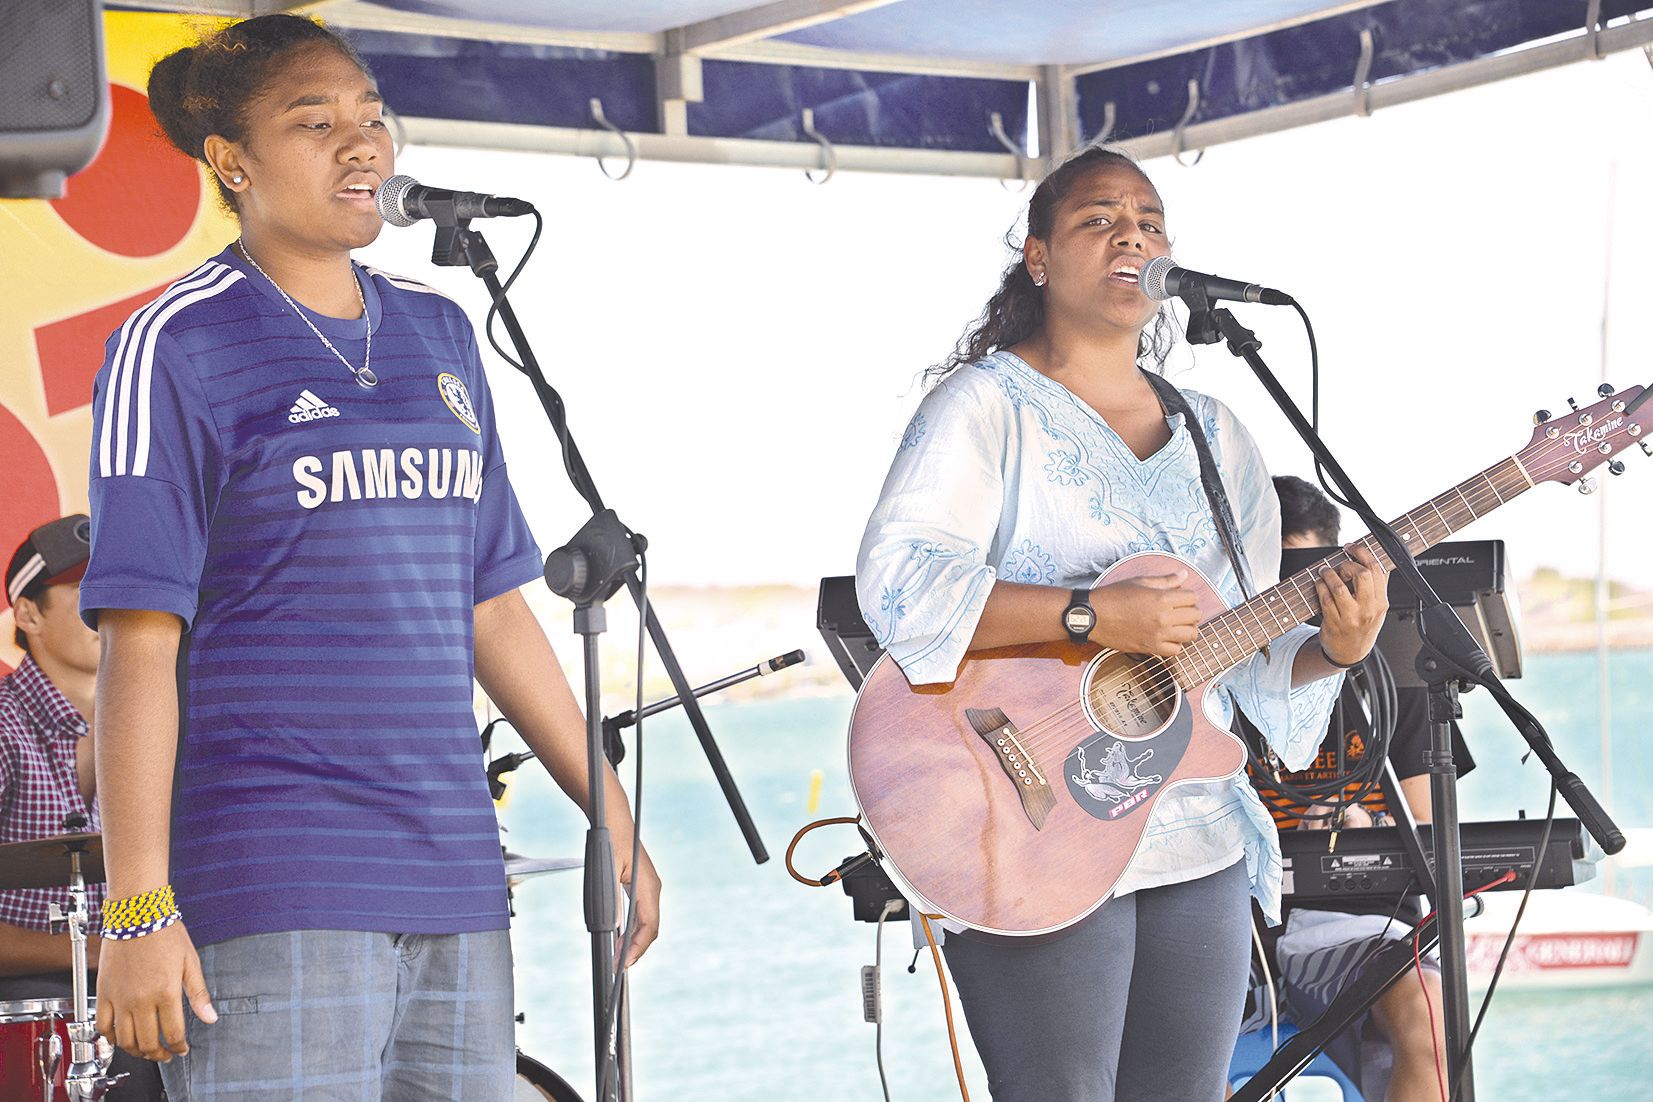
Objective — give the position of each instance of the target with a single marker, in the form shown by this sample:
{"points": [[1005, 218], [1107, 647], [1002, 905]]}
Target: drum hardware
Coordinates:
{"points": [[85, 1080], [39, 864]]}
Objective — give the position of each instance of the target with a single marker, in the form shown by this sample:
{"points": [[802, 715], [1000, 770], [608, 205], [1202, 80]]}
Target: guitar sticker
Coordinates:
{"points": [[1110, 777]]}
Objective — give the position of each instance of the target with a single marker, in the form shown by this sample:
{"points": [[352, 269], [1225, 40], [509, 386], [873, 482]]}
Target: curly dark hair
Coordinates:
{"points": [[205, 89], [1017, 308], [1304, 510]]}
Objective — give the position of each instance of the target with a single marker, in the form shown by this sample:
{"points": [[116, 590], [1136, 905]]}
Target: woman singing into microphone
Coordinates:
{"points": [[1042, 455], [299, 502]]}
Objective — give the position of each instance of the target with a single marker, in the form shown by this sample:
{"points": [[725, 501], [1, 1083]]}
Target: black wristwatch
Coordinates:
{"points": [[1079, 617]]}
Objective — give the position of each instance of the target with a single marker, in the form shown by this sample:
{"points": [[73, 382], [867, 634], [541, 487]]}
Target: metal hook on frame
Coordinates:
{"points": [[398, 129], [631, 147], [1109, 112], [1363, 74], [1187, 116], [1592, 30], [995, 126], [829, 155]]}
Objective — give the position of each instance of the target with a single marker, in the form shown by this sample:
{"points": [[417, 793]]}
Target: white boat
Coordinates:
{"points": [[1570, 937]]}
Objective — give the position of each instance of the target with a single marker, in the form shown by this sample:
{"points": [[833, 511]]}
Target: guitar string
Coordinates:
{"points": [[1341, 556], [1036, 735], [1162, 679], [1058, 727]]}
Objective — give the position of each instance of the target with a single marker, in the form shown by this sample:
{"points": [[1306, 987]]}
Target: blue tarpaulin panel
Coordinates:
{"points": [[1319, 58], [450, 78], [895, 110], [918, 75], [456, 78]]}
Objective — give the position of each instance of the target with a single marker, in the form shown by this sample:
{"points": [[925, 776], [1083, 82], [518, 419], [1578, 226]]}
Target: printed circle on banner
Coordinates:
{"points": [[458, 399], [140, 196], [31, 488]]}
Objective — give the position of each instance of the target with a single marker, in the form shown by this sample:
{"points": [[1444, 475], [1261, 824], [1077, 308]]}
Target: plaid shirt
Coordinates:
{"points": [[39, 730]]}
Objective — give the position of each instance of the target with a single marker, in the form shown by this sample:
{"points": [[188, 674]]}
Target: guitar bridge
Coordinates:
{"points": [[1001, 736]]}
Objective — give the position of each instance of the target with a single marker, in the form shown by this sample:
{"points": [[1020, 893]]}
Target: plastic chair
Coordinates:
{"points": [[1253, 1050]]}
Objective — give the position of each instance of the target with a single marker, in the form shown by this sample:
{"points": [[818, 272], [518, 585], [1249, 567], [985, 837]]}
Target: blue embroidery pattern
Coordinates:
{"points": [[1029, 563], [1064, 469], [914, 433], [893, 602], [925, 550]]}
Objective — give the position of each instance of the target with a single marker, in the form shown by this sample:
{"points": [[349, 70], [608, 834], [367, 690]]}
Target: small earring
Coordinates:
{"points": [[237, 178], [1039, 280]]}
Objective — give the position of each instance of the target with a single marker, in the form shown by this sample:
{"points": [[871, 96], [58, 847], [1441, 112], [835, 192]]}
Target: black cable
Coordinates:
{"points": [[1314, 402], [577, 474], [1374, 675], [1509, 941]]}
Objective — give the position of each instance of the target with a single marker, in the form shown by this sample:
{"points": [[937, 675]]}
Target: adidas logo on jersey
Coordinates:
{"points": [[310, 408]]}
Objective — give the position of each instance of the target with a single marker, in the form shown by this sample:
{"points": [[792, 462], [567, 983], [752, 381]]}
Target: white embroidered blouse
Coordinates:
{"points": [[1005, 473]]}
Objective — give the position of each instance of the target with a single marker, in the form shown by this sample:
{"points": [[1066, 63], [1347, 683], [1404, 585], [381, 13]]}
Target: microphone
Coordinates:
{"points": [[1162, 278], [402, 201]]}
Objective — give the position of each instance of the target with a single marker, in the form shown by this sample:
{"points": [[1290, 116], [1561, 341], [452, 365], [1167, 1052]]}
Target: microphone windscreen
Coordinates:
{"points": [[1153, 278], [389, 199]]}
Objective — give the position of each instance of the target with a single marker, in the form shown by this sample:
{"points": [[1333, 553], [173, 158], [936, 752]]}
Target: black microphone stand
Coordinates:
{"points": [[603, 556], [1448, 656]]}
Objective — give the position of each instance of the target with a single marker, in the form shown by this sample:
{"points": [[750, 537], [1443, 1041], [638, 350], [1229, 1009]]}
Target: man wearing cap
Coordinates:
{"points": [[46, 772], [46, 744]]}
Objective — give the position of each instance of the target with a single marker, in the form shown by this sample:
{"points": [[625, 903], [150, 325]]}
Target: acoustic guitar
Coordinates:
{"points": [[1013, 799]]}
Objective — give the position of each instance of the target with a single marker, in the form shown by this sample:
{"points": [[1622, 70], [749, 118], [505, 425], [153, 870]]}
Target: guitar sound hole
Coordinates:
{"points": [[1130, 695]]}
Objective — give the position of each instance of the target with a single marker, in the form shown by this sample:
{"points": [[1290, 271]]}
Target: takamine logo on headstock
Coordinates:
{"points": [[1564, 449]]}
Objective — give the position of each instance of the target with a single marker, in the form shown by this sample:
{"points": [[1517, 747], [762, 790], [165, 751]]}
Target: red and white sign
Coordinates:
{"points": [[1549, 952]]}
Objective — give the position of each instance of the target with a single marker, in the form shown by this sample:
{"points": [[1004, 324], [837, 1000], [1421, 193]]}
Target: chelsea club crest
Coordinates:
{"points": [[458, 399]]}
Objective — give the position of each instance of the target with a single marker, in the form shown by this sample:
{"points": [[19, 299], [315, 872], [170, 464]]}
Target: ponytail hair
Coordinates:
{"points": [[206, 89], [1017, 308]]}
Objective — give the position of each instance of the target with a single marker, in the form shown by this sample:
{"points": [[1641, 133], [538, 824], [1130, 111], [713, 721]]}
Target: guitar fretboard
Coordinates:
{"points": [[1230, 638]]}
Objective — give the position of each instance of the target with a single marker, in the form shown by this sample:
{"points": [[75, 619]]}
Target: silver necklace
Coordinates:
{"points": [[363, 375]]}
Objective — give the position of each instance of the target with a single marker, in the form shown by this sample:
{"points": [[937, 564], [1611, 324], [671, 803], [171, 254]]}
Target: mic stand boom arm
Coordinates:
{"points": [[1449, 654], [457, 245], [609, 542]]}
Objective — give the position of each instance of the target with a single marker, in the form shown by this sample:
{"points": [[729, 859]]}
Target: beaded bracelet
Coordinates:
{"points": [[138, 915], [129, 932]]}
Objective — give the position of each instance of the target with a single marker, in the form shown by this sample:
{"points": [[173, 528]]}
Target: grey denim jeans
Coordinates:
{"points": [[345, 1016]]}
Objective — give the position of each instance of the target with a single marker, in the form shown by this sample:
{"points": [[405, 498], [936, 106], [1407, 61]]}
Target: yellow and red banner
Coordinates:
{"points": [[72, 269]]}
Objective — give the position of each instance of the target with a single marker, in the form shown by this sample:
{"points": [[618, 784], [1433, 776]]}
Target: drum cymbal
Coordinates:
{"points": [[44, 862], [517, 866]]}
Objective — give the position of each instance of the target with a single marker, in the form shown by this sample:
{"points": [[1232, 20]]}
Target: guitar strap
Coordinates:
{"points": [[1171, 399]]}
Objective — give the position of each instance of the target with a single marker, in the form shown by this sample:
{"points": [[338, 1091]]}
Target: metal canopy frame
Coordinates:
{"points": [[750, 35]]}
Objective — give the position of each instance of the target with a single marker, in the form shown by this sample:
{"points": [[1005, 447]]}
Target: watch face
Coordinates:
{"points": [[1080, 620]]}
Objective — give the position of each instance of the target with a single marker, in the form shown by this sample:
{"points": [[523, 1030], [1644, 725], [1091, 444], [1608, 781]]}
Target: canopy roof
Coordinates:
{"points": [[969, 87]]}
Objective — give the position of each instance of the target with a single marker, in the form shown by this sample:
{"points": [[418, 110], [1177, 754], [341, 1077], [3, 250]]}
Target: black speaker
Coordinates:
{"points": [[54, 98]]}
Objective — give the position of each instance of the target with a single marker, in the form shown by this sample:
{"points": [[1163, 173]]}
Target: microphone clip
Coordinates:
{"points": [[1202, 327]]}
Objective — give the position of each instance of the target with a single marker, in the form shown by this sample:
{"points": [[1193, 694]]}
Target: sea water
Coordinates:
{"points": [[752, 993]]}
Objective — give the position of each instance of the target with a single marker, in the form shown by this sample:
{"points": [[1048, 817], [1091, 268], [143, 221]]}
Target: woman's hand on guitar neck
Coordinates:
{"points": [[1353, 601]]}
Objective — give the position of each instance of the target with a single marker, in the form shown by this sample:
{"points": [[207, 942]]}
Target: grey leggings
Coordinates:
{"points": [[1141, 1002]]}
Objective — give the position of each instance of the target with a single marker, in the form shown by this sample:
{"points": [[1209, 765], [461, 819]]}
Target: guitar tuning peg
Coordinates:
{"points": [[1605, 390], [1540, 417], [1587, 486], [1572, 403], [1646, 448], [1615, 467]]}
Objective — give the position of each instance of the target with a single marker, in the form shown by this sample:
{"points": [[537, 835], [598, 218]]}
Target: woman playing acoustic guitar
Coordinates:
{"points": [[1043, 455]]}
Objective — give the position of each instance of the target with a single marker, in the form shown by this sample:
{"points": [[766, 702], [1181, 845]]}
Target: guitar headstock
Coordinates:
{"points": [[1565, 448]]}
